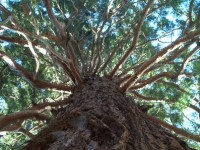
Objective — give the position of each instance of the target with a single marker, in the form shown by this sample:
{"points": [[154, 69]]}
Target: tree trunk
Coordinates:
{"points": [[102, 118]]}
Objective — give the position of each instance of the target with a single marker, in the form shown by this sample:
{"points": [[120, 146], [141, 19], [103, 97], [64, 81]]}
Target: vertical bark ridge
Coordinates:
{"points": [[102, 118]]}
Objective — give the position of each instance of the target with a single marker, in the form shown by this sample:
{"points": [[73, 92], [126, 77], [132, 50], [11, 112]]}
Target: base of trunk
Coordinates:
{"points": [[100, 117]]}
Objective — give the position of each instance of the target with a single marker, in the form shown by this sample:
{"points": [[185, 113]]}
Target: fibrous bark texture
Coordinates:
{"points": [[102, 118]]}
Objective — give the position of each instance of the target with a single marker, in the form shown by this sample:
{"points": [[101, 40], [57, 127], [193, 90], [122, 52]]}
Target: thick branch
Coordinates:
{"points": [[114, 51], [162, 100], [190, 11], [4, 10], [8, 120], [187, 59], [160, 56], [195, 108], [152, 79], [135, 38], [47, 46], [35, 82], [172, 84], [16, 40], [30, 45], [175, 129], [49, 105], [53, 18], [14, 126], [73, 64], [143, 97], [166, 61]]}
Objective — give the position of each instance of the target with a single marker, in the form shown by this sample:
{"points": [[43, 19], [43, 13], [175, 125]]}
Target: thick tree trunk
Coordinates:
{"points": [[102, 118]]}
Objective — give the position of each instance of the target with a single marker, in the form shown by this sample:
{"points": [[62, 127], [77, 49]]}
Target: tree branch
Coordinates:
{"points": [[13, 126], [187, 59], [160, 56], [16, 40], [114, 51], [10, 119], [175, 129], [26, 132], [53, 18], [135, 38], [54, 54], [151, 80], [49, 105], [191, 5], [162, 100], [73, 64], [4, 10], [35, 82]]}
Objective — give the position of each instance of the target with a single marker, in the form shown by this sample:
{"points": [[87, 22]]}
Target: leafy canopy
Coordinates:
{"points": [[48, 47]]}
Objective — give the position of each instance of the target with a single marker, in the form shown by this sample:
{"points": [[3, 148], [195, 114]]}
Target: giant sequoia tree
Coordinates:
{"points": [[104, 74]]}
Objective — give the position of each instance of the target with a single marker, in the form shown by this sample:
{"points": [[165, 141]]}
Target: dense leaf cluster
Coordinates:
{"points": [[150, 46]]}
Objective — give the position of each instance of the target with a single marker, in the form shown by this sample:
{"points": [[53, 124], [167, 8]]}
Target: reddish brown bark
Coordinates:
{"points": [[100, 117]]}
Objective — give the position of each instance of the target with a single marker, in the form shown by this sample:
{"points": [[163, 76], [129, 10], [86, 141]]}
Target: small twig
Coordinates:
{"points": [[26, 132]]}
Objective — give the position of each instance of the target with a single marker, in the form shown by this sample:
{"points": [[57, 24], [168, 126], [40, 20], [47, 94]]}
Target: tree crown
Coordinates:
{"points": [[50, 47]]}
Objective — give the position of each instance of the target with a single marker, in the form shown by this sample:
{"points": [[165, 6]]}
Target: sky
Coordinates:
{"points": [[188, 112]]}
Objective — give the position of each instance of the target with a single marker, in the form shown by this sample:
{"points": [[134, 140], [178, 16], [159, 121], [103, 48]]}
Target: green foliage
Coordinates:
{"points": [[165, 22]]}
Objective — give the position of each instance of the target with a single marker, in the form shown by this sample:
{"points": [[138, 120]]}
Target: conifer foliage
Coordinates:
{"points": [[83, 72]]}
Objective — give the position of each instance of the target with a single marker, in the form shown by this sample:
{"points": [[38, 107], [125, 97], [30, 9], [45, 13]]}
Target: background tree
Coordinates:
{"points": [[86, 66]]}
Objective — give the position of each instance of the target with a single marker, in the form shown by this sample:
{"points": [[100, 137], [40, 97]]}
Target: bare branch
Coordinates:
{"points": [[14, 126], [114, 51], [49, 105], [152, 99], [17, 41], [4, 10], [152, 79], [24, 73], [91, 63], [172, 84], [190, 11], [158, 57], [143, 97], [10, 119], [30, 45], [16, 123], [195, 108], [25, 9], [4, 22], [75, 73], [54, 19], [187, 59], [82, 56], [58, 57], [181, 90], [73, 64], [26, 132], [47, 46], [135, 38], [175, 129]]}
